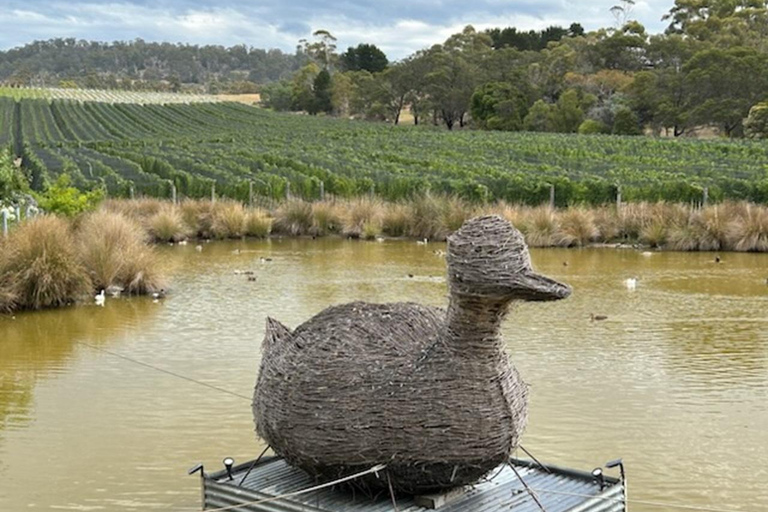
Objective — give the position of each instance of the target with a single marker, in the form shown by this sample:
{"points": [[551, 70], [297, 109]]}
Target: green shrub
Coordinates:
{"points": [[592, 127], [63, 199]]}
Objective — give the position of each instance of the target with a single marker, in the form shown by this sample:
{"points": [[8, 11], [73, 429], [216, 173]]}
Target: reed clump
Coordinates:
{"points": [[228, 220], [168, 225], [258, 223], [748, 231], [326, 218], [362, 218], [427, 218], [396, 219], [576, 228], [197, 216], [41, 267], [728, 226], [115, 252], [542, 223], [294, 218]]}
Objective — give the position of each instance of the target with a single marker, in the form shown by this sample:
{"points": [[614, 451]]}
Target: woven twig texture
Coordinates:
{"points": [[429, 392]]}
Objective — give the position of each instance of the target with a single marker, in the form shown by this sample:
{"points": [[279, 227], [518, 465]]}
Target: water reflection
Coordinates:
{"points": [[36, 346], [675, 380]]}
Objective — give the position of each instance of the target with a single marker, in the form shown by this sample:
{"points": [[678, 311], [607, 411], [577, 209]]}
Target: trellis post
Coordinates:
{"points": [[705, 198], [552, 196], [173, 192], [130, 191], [322, 190], [618, 197], [287, 189], [5, 222], [213, 192], [250, 193]]}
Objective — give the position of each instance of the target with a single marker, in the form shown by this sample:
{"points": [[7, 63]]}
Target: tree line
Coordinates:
{"points": [[708, 69], [141, 65]]}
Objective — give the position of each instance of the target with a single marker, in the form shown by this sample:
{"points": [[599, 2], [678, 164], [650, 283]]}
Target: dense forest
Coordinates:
{"points": [[140, 65], [707, 71]]}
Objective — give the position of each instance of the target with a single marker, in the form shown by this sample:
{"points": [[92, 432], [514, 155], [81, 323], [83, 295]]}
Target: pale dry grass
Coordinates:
{"points": [[228, 220], [326, 218], [258, 223], [362, 218], [168, 225], [576, 227], [41, 267]]}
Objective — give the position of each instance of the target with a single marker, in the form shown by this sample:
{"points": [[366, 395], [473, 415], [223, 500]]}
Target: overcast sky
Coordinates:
{"points": [[399, 27]]}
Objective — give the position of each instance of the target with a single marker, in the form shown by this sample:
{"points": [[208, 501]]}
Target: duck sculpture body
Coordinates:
{"points": [[429, 392]]}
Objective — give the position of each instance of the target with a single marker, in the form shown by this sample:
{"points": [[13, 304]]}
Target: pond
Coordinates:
{"points": [[675, 380]]}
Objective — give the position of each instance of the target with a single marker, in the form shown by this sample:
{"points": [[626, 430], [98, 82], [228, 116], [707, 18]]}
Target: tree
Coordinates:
{"points": [[321, 89], [626, 123], [592, 127], [724, 84], [456, 69], [365, 57], [302, 87], [322, 51], [501, 106], [671, 88], [277, 96], [756, 124], [568, 115], [539, 118], [342, 89]]}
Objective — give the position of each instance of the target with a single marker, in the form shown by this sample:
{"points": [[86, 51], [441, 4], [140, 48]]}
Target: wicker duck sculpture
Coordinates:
{"points": [[429, 392]]}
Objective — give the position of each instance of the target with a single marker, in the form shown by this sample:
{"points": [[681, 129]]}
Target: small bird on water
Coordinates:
{"points": [[597, 318], [717, 259], [100, 298], [631, 283]]}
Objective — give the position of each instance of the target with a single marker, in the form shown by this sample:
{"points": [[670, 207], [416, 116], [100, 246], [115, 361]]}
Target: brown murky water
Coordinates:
{"points": [[675, 380]]}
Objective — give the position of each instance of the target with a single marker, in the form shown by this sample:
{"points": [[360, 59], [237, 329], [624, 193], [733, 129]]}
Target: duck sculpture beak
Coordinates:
{"points": [[530, 286]]}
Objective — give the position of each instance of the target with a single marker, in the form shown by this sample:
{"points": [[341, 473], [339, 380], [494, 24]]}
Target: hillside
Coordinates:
{"points": [[148, 147]]}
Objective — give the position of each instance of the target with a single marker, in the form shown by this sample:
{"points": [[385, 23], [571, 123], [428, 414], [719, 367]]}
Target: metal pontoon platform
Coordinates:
{"points": [[557, 490]]}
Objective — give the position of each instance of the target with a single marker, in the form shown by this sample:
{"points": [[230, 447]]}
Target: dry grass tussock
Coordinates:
{"points": [[748, 231], [293, 218], [168, 225], [115, 252], [258, 223], [41, 267], [727, 226], [362, 218], [326, 218], [576, 228], [228, 220]]}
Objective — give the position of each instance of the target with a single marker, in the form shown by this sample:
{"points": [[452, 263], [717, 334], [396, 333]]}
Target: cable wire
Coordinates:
{"points": [[382, 466], [162, 370]]}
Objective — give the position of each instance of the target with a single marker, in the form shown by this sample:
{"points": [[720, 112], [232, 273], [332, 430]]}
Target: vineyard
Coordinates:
{"points": [[239, 151]]}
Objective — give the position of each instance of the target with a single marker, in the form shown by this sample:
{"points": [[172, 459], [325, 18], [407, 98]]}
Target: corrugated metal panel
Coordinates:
{"points": [[273, 477]]}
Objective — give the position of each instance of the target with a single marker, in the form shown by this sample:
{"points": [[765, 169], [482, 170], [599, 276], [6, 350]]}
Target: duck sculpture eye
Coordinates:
{"points": [[429, 392]]}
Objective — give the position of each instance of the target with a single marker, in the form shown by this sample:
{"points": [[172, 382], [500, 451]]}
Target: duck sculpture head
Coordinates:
{"points": [[488, 257], [429, 392]]}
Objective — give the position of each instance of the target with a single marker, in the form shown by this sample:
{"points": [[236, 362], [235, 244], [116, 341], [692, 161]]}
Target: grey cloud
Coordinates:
{"points": [[398, 26]]}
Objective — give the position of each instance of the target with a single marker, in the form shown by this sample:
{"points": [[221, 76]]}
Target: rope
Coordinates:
{"points": [[374, 469], [527, 488], [168, 372], [381, 466]]}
